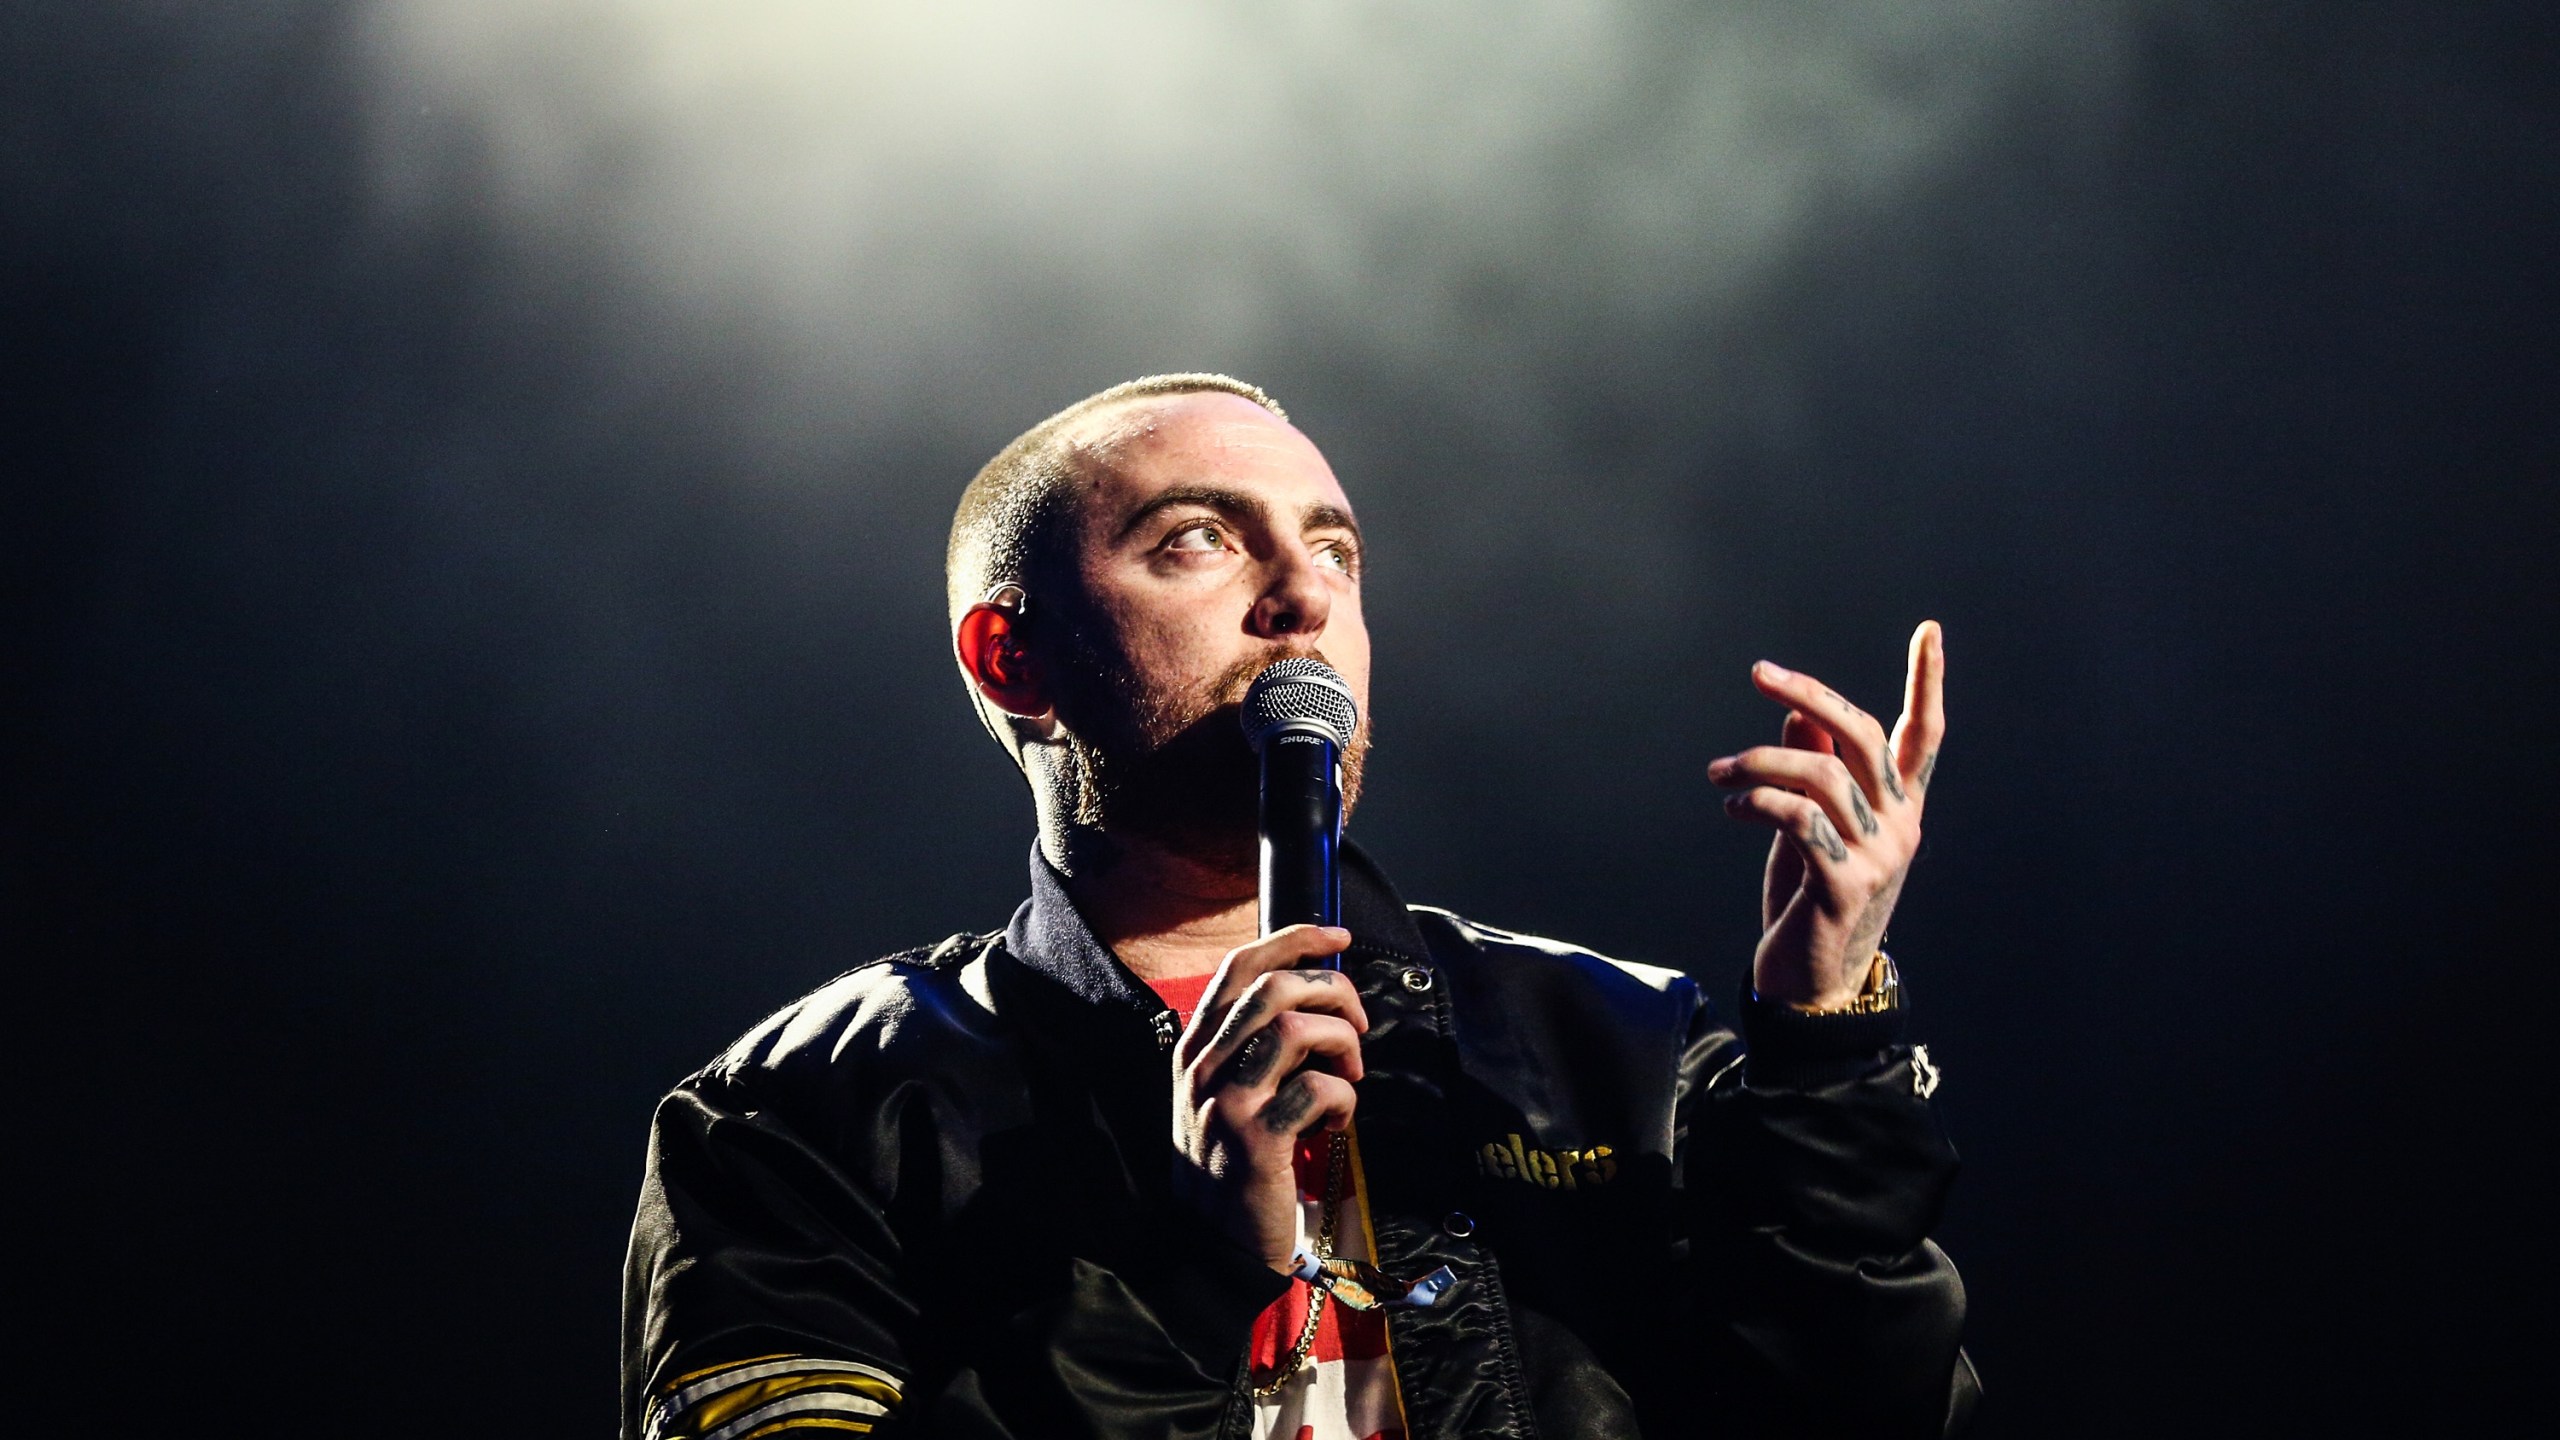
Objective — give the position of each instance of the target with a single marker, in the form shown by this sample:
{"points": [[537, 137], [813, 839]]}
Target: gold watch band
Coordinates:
{"points": [[1883, 992]]}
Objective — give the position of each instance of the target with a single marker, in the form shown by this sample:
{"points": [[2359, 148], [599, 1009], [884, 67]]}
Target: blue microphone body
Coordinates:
{"points": [[1301, 825]]}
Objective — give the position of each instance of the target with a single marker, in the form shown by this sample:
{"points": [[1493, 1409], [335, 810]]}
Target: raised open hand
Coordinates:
{"points": [[1845, 799]]}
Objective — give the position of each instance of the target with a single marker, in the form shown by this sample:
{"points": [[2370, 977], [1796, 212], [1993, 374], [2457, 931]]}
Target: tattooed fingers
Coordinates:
{"points": [[1798, 819], [1309, 1099], [1284, 1042], [1272, 1049], [1253, 1059], [1856, 736], [1323, 992], [1271, 1054], [1295, 1070], [1821, 777], [1258, 979], [1846, 800]]}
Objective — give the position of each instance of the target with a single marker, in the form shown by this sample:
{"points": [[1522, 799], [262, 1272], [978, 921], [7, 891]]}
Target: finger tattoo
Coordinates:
{"points": [[1858, 807], [1254, 1057], [1852, 711], [1242, 1015], [1928, 767], [1827, 840], [1893, 782], [1289, 1107]]}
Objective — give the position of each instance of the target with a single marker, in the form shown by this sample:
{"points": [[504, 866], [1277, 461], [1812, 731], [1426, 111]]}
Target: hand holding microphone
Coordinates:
{"points": [[1275, 1045]]}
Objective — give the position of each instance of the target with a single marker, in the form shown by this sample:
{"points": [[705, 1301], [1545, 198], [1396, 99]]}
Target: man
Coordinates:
{"points": [[1006, 1185]]}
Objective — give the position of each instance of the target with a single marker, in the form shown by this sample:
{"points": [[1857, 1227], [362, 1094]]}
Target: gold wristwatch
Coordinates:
{"points": [[1883, 992]]}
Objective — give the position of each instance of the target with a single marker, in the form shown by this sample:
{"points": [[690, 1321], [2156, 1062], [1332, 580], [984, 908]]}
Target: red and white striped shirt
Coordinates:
{"points": [[1347, 1391]]}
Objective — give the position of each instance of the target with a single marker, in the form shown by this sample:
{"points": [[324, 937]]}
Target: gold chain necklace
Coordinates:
{"points": [[1336, 1170]]}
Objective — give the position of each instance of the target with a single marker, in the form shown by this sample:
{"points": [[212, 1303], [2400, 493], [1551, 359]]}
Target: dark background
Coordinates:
{"points": [[476, 477]]}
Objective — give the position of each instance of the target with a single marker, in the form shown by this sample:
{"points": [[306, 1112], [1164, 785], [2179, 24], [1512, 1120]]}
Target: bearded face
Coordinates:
{"points": [[1193, 539], [1165, 757]]}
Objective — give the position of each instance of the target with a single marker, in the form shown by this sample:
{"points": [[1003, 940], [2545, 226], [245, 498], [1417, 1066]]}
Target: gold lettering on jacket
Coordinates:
{"points": [[1509, 1159]]}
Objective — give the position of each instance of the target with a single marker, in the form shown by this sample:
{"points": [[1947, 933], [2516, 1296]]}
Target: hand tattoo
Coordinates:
{"points": [[1288, 1108], [1858, 807], [1928, 767], [1238, 1018], [1253, 1058], [1852, 711], [1827, 840], [1893, 782]]}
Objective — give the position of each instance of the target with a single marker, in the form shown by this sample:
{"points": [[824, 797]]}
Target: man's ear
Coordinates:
{"points": [[989, 642]]}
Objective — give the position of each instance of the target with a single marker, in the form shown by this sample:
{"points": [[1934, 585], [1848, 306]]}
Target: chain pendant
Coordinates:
{"points": [[1337, 1169]]}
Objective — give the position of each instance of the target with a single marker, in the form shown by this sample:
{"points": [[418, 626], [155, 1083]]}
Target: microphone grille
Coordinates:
{"points": [[1299, 693]]}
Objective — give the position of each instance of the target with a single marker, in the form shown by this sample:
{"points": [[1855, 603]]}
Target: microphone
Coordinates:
{"points": [[1298, 715]]}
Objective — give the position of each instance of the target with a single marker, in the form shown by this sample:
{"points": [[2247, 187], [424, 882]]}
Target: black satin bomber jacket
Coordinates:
{"points": [[932, 1198]]}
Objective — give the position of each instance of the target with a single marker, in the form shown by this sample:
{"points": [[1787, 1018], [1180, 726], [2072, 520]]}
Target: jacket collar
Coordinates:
{"points": [[1048, 934]]}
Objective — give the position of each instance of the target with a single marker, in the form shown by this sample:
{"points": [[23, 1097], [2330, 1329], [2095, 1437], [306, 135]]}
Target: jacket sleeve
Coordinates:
{"points": [[762, 1284], [1814, 1168], [774, 1288]]}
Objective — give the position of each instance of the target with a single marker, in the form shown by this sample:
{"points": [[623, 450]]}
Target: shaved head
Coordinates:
{"points": [[1015, 520]]}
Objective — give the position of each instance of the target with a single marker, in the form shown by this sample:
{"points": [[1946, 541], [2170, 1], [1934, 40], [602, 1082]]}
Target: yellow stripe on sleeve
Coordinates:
{"points": [[741, 1397], [712, 1413], [808, 1422]]}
